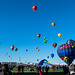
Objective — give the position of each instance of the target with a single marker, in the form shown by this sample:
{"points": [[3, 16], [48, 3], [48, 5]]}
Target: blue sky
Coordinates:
{"points": [[19, 26]]}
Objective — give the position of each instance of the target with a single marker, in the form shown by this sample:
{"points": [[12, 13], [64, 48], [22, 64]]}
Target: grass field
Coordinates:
{"points": [[28, 72]]}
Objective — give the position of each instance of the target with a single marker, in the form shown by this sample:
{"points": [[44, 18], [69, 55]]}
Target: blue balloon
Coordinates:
{"points": [[52, 55], [66, 52]]}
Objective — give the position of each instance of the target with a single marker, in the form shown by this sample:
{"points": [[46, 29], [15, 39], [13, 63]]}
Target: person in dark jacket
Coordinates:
{"points": [[19, 68], [0, 67], [22, 68], [66, 70], [5, 70], [46, 69]]}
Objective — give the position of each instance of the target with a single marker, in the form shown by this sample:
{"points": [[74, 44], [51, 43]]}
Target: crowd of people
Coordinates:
{"points": [[4, 69]]}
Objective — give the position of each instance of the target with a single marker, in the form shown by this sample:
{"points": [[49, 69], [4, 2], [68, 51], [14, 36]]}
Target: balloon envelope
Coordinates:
{"points": [[53, 24], [59, 34], [67, 52], [45, 41], [54, 45], [38, 35], [38, 50], [26, 50], [34, 8], [47, 56], [52, 55], [12, 47], [16, 49], [44, 38], [36, 47]]}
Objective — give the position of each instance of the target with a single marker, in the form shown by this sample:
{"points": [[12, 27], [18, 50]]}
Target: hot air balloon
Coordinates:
{"points": [[38, 50], [59, 34], [44, 38], [19, 58], [53, 24], [38, 35], [45, 41], [34, 8], [12, 47], [36, 47], [47, 56], [9, 55], [67, 52], [26, 50], [16, 49], [6, 54], [54, 45], [52, 55], [37, 59]]}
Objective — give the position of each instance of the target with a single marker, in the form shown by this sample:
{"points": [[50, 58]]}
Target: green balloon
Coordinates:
{"points": [[45, 41], [44, 38]]}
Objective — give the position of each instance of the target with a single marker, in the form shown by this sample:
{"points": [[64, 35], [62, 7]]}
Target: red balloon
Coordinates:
{"points": [[38, 35], [34, 8], [54, 45], [15, 49], [36, 47], [12, 47], [9, 55]]}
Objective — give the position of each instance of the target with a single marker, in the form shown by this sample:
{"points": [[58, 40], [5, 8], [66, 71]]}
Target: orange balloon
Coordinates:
{"points": [[53, 24], [38, 50]]}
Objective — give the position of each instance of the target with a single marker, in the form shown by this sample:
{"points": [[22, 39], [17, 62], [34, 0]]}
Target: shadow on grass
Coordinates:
{"points": [[49, 73]]}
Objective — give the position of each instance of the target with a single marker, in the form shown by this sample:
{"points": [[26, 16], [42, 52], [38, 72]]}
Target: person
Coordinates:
{"points": [[43, 69], [51, 69], [40, 67], [66, 70], [39, 71], [5, 70], [46, 69], [0, 67], [19, 68], [22, 68], [72, 69]]}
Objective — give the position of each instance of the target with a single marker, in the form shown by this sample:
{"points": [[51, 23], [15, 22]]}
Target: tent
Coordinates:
{"points": [[44, 62]]}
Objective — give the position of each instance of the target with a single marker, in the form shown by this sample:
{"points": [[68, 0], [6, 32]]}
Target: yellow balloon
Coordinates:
{"points": [[59, 34]]}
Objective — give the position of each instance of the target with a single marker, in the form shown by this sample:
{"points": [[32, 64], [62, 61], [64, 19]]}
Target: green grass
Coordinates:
{"points": [[28, 70]]}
